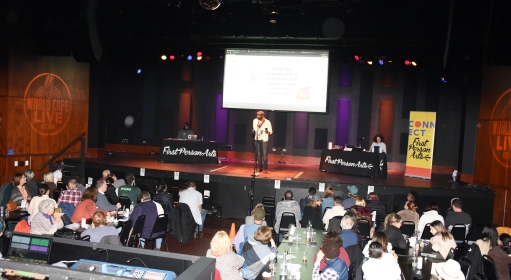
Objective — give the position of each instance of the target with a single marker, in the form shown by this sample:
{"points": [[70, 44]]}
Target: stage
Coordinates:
{"points": [[230, 181]]}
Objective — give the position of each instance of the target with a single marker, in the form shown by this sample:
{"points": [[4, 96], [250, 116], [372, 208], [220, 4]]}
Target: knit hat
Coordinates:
{"points": [[450, 270], [352, 189], [259, 214], [316, 197]]}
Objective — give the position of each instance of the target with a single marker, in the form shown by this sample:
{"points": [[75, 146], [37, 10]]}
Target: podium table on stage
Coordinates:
{"points": [[188, 151], [354, 163]]}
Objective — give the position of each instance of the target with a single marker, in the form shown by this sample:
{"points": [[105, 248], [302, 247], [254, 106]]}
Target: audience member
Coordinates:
{"points": [[431, 214], [130, 190], [449, 210], [47, 221], [110, 192], [349, 237], [442, 240], [337, 210], [374, 268], [352, 196], [164, 198], [388, 255], [257, 253], [312, 213], [287, 205], [485, 242], [449, 270], [380, 237], [259, 216], [499, 256], [305, 201], [98, 228], [362, 211], [105, 173], [57, 171], [151, 210], [18, 191], [412, 196], [250, 219], [329, 252], [458, 216], [48, 180], [343, 255], [375, 204], [391, 229], [118, 182], [71, 195], [102, 202], [227, 262], [33, 207], [31, 184], [81, 183], [505, 242], [86, 208], [409, 214], [328, 199], [193, 199]]}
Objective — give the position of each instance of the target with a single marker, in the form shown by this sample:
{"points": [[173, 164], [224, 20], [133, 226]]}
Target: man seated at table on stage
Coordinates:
{"points": [[337, 210], [458, 216], [183, 133], [130, 190], [102, 202], [287, 205], [336, 268]]}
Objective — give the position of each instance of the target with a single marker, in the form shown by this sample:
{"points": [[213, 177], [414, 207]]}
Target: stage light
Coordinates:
{"points": [[221, 56], [189, 57], [163, 57], [414, 63], [370, 62], [443, 79], [199, 53], [139, 71], [199, 58], [407, 62], [172, 57], [210, 5], [356, 57], [381, 62]]}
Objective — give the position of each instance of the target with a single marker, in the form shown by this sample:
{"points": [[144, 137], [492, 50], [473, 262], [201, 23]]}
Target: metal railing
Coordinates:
{"points": [[63, 150]]}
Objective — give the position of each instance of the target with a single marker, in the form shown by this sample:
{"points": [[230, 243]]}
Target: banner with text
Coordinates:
{"points": [[421, 139]]}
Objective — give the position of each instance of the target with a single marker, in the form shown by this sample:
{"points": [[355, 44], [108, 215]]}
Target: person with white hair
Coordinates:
{"points": [[47, 221], [48, 180], [348, 236]]}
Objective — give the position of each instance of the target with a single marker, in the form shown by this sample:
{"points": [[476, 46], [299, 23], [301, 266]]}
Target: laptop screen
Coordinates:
{"points": [[30, 249]]}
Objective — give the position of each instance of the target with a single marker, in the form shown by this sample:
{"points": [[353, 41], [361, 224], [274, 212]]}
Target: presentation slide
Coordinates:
{"points": [[280, 80]]}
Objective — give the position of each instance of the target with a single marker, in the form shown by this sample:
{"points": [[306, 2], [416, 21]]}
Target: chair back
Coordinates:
{"points": [[160, 225], [489, 269], [408, 228], [351, 271], [326, 209], [335, 224], [465, 265], [363, 227], [458, 232], [460, 251], [268, 217], [125, 202], [480, 276], [22, 226], [268, 201], [110, 239], [175, 192], [475, 233], [450, 254], [426, 233], [286, 219], [125, 232], [136, 233]]}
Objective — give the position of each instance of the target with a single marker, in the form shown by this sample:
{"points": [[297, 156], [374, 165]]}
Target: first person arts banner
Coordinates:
{"points": [[421, 139]]}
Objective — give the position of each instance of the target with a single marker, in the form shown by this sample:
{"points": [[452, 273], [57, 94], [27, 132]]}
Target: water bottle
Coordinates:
{"points": [[283, 266], [131, 207]]}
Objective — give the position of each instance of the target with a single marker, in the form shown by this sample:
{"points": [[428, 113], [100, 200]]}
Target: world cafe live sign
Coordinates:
{"points": [[47, 104], [500, 131]]}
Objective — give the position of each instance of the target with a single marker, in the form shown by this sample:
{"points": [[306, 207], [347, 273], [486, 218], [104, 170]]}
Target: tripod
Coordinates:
{"points": [[283, 158]]}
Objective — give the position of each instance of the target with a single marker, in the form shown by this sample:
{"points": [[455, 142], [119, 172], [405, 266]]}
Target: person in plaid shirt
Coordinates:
{"points": [[72, 195]]}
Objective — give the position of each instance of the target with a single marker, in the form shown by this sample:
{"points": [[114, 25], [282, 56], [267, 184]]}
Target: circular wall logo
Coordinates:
{"points": [[500, 130], [47, 104]]}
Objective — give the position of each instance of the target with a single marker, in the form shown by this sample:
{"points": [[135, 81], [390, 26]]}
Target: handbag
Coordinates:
{"points": [[11, 206]]}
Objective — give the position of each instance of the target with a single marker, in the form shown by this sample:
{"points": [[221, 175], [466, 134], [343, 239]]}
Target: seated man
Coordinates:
{"points": [[305, 201], [193, 199], [102, 202], [458, 216], [287, 205], [337, 210], [183, 133], [259, 215], [130, 190], [348, 236], [71, 195], [151, 210]]}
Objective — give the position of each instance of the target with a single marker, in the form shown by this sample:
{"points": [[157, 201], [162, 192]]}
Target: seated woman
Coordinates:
{"points": [[409, 214], [227, 263], [257, 253], [375, 268], [329, 252], [33, 207], [328, 199], [391, 229], [249, 220], [312, 212], [164, 198], [442, 240], [343, 255], [362, 211], [490, 244], [388, 256], [87, 207], [18, 191], [47, 221], [505, 242], [98, 228], [48, 180]]}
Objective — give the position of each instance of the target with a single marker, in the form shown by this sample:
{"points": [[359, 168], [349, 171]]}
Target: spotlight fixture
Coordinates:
{"points": [[139, 71], [414, 63], [356, 57], [199, 58], [210, 5], [199, 53], [172, 57], [163, 57], [381, 62], [443, 79], [408, 62], [370, 62], [189, 57]]}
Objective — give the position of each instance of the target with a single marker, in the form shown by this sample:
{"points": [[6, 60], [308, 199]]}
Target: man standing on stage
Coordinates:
{"points": [[262, 129]]}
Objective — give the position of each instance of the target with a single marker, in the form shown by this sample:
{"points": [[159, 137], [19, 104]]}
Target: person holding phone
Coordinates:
{"points": [[261, 128]]}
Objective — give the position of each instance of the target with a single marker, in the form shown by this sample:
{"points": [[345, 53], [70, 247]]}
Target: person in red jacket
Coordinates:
{"points": [[87, 207]]}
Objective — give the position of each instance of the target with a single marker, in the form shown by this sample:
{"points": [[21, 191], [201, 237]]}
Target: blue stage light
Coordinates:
{"points": [[189, 57]]}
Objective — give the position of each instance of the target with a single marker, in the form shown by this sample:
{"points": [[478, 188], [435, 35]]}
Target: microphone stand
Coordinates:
{"points": [[254, 174]]}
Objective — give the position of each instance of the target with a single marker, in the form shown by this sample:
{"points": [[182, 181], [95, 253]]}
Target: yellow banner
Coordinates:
{"points": [[421, 138]]}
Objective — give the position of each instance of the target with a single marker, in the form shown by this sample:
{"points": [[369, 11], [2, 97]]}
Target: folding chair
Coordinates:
{"points": [[125, 233], [160, 229], [465, 265], [286, 219], [125, 202], [475, 233], [489, 269], [459, 232], [212, 210], [136, 233], [364, 228], [460, 251], [408, 228], [426, 233]]}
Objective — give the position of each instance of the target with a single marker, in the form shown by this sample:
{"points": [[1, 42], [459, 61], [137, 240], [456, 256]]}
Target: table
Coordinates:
{"points": [[188, 151], [406, 258], [298, 249], [16, 215], [354, 163]]}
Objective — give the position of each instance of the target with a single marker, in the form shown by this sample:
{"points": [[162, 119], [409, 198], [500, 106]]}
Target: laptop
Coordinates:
{"points": [[30, 249], [192, 137]]}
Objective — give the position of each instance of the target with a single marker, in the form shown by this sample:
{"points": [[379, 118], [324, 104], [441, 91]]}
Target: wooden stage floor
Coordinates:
{"points": [[297, 172]]}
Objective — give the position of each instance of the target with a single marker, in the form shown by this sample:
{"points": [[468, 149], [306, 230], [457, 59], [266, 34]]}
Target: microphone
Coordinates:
{"points": [[136, 259]]}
